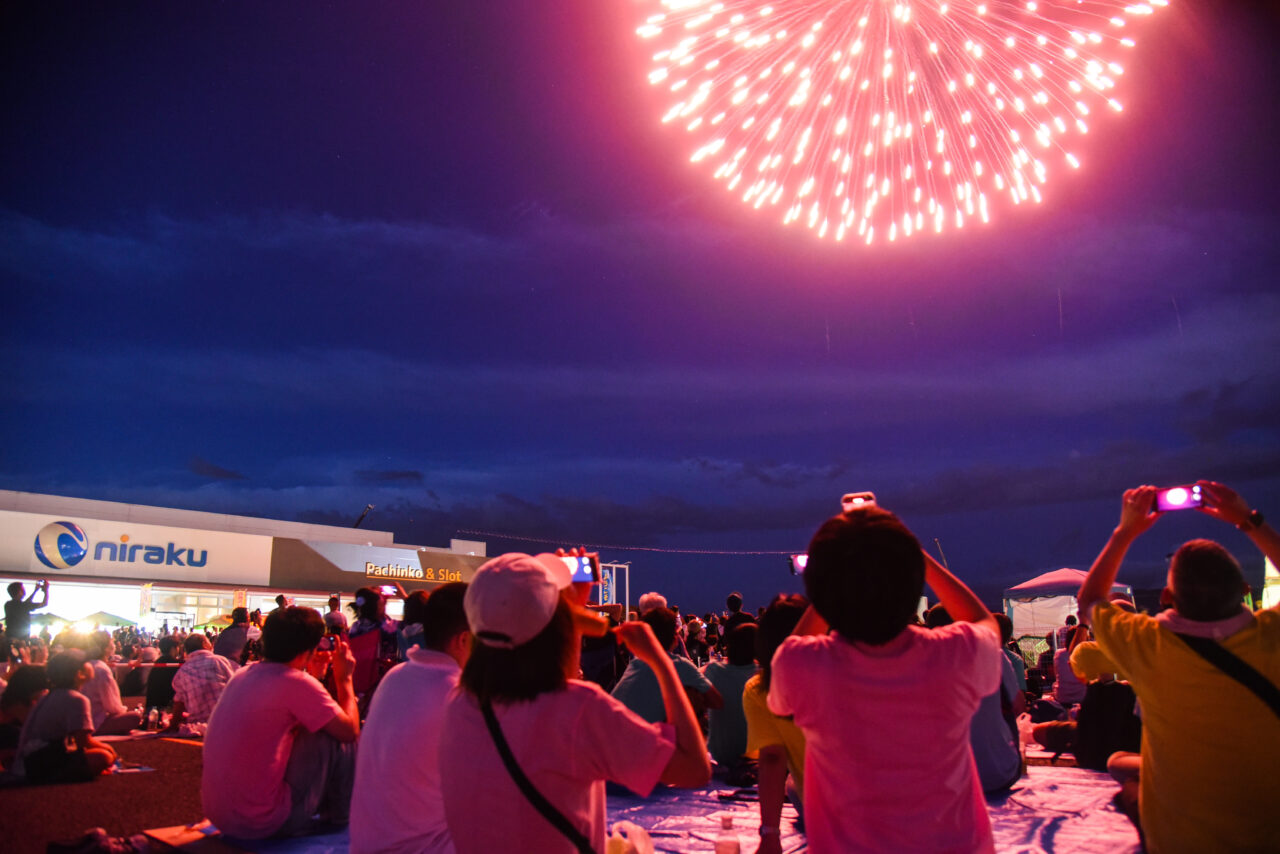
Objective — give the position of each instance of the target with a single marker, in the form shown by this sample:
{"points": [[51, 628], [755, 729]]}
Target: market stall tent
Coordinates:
{"points": [[1041, 604]]}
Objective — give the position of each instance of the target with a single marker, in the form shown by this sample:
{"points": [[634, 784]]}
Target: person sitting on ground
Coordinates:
{"points": [[199, 682], [696, 640], [110, 717], [335, 622], [737, 616], [231, 640], [561, 733], [1068, 690], [885, 705], [159, 694], [1011, 650], [275, 718], [60, 716], [727, 734], [26, 686], [778, 740], [993, 741], [1106, 722], [639, 689], [1062, 637], [1201, 787], [396, 805], [411, 627]]}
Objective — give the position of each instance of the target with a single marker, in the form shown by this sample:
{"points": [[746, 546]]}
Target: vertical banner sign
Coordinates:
{"points": [[240, 599], [608, 588], [144, 600]]}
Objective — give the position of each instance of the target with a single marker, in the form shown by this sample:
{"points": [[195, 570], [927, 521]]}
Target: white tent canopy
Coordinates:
{"points": [[1041, 604]]}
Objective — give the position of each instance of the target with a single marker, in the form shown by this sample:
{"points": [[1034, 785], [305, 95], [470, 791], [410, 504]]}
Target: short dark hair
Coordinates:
{"points": [[777, 623], [444, 616], [741, 644], [290, 632], [25, 685], [663, 623], [937, 617], [865, 574], [1071, 620], [168, 644], [415, 606], [1006, 626], [367, 604], [239, 615], [64, 669], [195, 641], [522, 673], [16, 589], [734, 601], [1206, 580], [280, 600]]}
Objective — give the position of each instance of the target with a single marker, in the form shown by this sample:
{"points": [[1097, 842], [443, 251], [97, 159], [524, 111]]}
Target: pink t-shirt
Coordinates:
{"points": [[247, 745], [888, 765], [568, 743]]}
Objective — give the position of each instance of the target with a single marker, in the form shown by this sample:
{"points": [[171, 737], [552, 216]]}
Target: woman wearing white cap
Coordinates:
{"points": [[527, 748]]}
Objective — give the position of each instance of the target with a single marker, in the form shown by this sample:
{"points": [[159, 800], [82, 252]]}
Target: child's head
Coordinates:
{"points": [[865, 574]]}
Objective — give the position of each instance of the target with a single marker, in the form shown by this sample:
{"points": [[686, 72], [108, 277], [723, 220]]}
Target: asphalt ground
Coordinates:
{"points": [[122, 804]]}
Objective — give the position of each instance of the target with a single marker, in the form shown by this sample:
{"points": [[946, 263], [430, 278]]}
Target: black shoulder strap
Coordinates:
{"points": [[540, 803], [1235, 667]]}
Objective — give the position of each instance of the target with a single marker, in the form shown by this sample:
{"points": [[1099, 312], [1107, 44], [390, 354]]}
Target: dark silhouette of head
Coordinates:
{"points": [[865, 574], [1205, 582], [290, 632]]}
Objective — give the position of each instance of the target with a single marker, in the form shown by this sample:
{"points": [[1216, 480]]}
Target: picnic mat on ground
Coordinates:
{"points": [[1053, 810]]}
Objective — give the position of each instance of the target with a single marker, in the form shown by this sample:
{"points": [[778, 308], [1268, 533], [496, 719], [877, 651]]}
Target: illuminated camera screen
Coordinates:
{"points": [[798, 563], [1179, 498], [584, 568]]}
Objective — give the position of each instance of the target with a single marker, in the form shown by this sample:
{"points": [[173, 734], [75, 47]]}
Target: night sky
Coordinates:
{"points": [[286, 259]]}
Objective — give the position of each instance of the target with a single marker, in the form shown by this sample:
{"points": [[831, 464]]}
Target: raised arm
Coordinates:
{"points": [[961, 603], [1226, 504], [1137, 514], [689, 765]]}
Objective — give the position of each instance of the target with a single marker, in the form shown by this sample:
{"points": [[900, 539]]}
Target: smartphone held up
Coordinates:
{"points": [[1187, 497]]}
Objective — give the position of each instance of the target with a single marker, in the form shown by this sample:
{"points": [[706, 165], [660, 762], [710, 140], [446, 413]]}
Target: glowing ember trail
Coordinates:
{"points": [[880, 119]]}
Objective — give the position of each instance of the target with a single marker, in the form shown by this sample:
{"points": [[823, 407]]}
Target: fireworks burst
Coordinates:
{"points": [[879, 118]]}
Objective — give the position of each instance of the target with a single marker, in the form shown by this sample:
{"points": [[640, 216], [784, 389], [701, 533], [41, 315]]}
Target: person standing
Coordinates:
{"points": [[17, 611]]}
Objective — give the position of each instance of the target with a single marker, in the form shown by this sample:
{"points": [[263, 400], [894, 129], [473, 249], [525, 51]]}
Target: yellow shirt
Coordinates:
{"points": [[1089, 662], [764, 728], [1210, 747]]}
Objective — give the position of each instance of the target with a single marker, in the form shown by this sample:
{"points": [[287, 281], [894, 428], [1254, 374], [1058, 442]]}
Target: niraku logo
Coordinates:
{"points": [[62, 545]]}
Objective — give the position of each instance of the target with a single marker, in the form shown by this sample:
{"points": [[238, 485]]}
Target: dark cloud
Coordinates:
{"points": [[204, 468], [393, 476]]}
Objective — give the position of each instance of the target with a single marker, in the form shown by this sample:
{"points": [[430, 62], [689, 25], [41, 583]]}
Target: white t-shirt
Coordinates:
{"points": [[888, 765], [568, 743], [247, 746], [396, 806], [103, 692]]}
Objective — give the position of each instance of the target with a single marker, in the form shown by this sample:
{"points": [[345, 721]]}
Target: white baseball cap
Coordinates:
{"points": [[513, 597]]}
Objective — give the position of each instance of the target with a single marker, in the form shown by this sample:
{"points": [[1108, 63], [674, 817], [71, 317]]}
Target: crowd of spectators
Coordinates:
{"points": [[497, 710]]}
